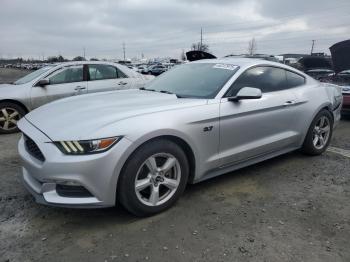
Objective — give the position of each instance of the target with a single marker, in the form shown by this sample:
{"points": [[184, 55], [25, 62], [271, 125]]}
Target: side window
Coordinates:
{"points": [[294, 79], [121, 74], [268, 79], [101, 72], [67, 75]]}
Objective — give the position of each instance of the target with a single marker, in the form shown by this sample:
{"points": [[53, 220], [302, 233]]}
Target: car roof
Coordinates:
{"points": [[124, 68], [244, 63], [85, 62]]}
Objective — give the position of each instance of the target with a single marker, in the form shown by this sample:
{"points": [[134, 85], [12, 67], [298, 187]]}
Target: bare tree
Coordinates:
{"points": [[200, 47], [79, 58], [183, 56], [252, 47]]}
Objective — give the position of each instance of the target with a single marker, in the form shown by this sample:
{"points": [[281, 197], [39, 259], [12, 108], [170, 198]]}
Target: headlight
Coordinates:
{"points": [[85, 147]]}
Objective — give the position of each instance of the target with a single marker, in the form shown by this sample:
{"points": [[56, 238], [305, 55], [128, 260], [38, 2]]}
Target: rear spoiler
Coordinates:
{"points": [[198, 55]]}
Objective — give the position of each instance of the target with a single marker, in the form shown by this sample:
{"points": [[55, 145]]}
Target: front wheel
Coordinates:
{"points": [[153, 178], [319, 134], [10, 114]]}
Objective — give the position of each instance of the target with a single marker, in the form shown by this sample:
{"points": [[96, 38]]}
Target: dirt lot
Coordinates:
{"points": [[8, 75], [292, 208]]}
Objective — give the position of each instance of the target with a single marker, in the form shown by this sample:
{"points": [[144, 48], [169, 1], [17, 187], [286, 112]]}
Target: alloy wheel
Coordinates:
{"points": [[321, 132], [157, 179], [9, 118]]}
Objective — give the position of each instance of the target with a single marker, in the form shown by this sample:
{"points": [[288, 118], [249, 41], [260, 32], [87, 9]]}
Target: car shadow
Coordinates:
{"points": [[345, 117], [118, 215]]}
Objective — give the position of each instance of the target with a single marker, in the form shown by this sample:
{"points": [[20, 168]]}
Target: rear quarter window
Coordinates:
{"points": [[294, 80]]}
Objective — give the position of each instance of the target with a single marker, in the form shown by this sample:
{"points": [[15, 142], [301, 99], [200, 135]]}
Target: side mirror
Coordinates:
{"points": [[43, 82], [247, 93]]}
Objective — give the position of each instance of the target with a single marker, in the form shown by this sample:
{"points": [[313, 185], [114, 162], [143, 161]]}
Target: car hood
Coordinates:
{"points": [[77, 118], [5, 87], [198, 55], [315, 62], [341, 56]]}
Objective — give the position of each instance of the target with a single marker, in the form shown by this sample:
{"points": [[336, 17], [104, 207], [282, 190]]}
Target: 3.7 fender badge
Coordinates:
{"points": [[208, 128]]}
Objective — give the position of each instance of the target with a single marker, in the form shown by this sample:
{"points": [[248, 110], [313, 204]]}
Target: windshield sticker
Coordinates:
{"points": [[225, 66]]}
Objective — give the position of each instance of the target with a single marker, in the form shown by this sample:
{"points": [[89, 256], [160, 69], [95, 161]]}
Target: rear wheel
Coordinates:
{"points": [[319, 134], [153, 178], [10, 114]]}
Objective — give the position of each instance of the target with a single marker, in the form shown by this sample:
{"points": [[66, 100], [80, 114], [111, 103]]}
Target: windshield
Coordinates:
{"points": [[32, 75], [195, 80]]}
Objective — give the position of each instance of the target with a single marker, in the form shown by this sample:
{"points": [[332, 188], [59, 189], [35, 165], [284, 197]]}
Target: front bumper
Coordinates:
{"points": [[97, 174]]}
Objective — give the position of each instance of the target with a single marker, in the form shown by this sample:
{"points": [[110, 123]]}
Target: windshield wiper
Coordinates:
{"points": [[160, 91], [170, 93], [146, 89], [166, 92]]}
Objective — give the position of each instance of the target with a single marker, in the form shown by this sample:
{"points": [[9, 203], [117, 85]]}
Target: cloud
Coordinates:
{"points": [[164, 27]]}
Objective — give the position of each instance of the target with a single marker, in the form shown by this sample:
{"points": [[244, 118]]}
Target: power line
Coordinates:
{"points": [[124, 50]]}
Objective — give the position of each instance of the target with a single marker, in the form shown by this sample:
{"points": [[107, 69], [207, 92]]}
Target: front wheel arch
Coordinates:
{"points": [[16, 103], [9, 122], [124, 193], [179, 141]]}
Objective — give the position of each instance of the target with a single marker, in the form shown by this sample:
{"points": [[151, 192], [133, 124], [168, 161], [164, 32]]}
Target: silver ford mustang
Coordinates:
{"points": [[197, 121], [58, 81]]}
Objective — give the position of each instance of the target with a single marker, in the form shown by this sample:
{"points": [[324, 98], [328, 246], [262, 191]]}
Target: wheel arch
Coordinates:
{"points": [[187, 150], [15, 102], [177, 140], [326, 106]]}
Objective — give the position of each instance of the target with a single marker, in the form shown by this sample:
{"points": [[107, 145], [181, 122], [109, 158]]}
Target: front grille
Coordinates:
{"points": [[33, 149]]}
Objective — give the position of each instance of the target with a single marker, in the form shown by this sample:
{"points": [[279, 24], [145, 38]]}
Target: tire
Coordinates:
{"points": [[10, 113], [316, 129], [140, 168]]}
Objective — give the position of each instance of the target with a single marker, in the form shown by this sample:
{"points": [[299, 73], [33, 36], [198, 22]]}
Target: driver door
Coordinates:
{"points": [[253, 128], [65, 82]]}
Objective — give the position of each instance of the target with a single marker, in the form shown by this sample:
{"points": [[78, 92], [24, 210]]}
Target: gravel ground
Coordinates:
{"points": [[8, 75], [291, 208]]}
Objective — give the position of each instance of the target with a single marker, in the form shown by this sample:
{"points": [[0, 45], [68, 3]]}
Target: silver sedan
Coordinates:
{"points": [[58, 81], [197, 121]]}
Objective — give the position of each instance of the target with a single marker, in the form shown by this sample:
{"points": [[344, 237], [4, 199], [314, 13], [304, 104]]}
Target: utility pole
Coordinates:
{"points": [[201, 39], [124, 50], [84, 52], [313, 45]]}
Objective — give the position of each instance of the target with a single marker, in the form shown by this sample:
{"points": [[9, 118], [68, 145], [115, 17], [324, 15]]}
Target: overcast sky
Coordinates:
{"points": [[158, 28]]}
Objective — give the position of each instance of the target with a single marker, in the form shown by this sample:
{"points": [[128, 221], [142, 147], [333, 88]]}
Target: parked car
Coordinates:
{"points": [[346, 101], [194, 122], [315, 66], [58, 81], [145, 70], [342, 79], [142, 68], [156, 70], [341, 65]]}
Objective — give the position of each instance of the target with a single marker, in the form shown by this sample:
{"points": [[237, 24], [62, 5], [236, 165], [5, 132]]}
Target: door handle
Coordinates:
{"points": [[80, 88], [290, 103], [121, 83]]}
